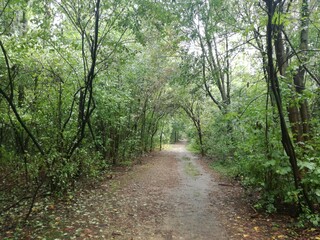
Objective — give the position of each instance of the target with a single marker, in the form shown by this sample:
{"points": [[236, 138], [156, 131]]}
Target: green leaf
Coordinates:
{"points": [[283, 170], [307, 165], [270, 163]]}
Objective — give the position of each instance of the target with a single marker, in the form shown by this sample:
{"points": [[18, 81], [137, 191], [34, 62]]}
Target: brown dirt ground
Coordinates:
{"points": [[172, 194]]}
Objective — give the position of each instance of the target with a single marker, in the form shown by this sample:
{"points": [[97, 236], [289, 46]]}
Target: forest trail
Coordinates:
{"points": [[170, 199], [171, 195], [194, 215], [168, 196]]}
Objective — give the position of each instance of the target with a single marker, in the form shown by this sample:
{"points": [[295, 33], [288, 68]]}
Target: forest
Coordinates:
{"points": [[88, 85]]}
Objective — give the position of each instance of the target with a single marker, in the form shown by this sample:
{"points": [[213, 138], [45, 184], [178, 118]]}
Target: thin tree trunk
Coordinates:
{"points": [[88, 107], [299, 81], [161, 135]]}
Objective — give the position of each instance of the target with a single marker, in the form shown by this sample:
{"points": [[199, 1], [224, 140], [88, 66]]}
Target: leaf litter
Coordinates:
{"points": [[143, 202]]}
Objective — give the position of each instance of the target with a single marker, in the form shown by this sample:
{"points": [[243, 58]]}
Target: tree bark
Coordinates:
{"points": [[299, 80], [197, 123], [86, 110], [272, 77]]}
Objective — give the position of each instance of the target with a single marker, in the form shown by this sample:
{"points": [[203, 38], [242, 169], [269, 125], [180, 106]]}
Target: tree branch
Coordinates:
{"points": [[300, 61]]}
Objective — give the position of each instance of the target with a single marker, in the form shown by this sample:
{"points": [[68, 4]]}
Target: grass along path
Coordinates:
{"points": [[171, 195]]}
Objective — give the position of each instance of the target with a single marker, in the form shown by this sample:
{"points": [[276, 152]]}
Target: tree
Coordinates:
{"points": [[209, 29], [275, 87], [68, 86]]}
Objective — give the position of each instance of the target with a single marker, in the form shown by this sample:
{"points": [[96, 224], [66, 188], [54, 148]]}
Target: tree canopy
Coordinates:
{"points": [[85, 85]]}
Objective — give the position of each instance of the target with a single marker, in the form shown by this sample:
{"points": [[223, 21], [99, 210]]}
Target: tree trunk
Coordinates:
{"points": [[286, 140], [161, 135], [200, 138], [299, 81]]}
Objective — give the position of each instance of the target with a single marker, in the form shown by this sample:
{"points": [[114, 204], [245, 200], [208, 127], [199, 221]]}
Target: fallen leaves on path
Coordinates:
{"points": [[133, 205]]}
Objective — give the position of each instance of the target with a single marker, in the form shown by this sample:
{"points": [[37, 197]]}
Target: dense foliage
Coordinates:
{"points": [[258, 64], [83, 86], [89, 84]]}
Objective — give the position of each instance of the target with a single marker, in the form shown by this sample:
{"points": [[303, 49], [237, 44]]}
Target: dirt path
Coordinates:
{"points": [[168, 196], [194, 215]]}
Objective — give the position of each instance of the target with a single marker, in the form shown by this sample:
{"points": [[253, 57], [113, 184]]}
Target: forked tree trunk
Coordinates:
{"points": [[275, 87]]}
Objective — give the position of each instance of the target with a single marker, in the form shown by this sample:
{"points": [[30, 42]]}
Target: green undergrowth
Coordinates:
{"points": [[193, 148], [126, 163], [226, 168]]}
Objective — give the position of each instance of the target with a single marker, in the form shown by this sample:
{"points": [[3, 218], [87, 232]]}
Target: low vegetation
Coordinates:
{"points": [[89, 85]]}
